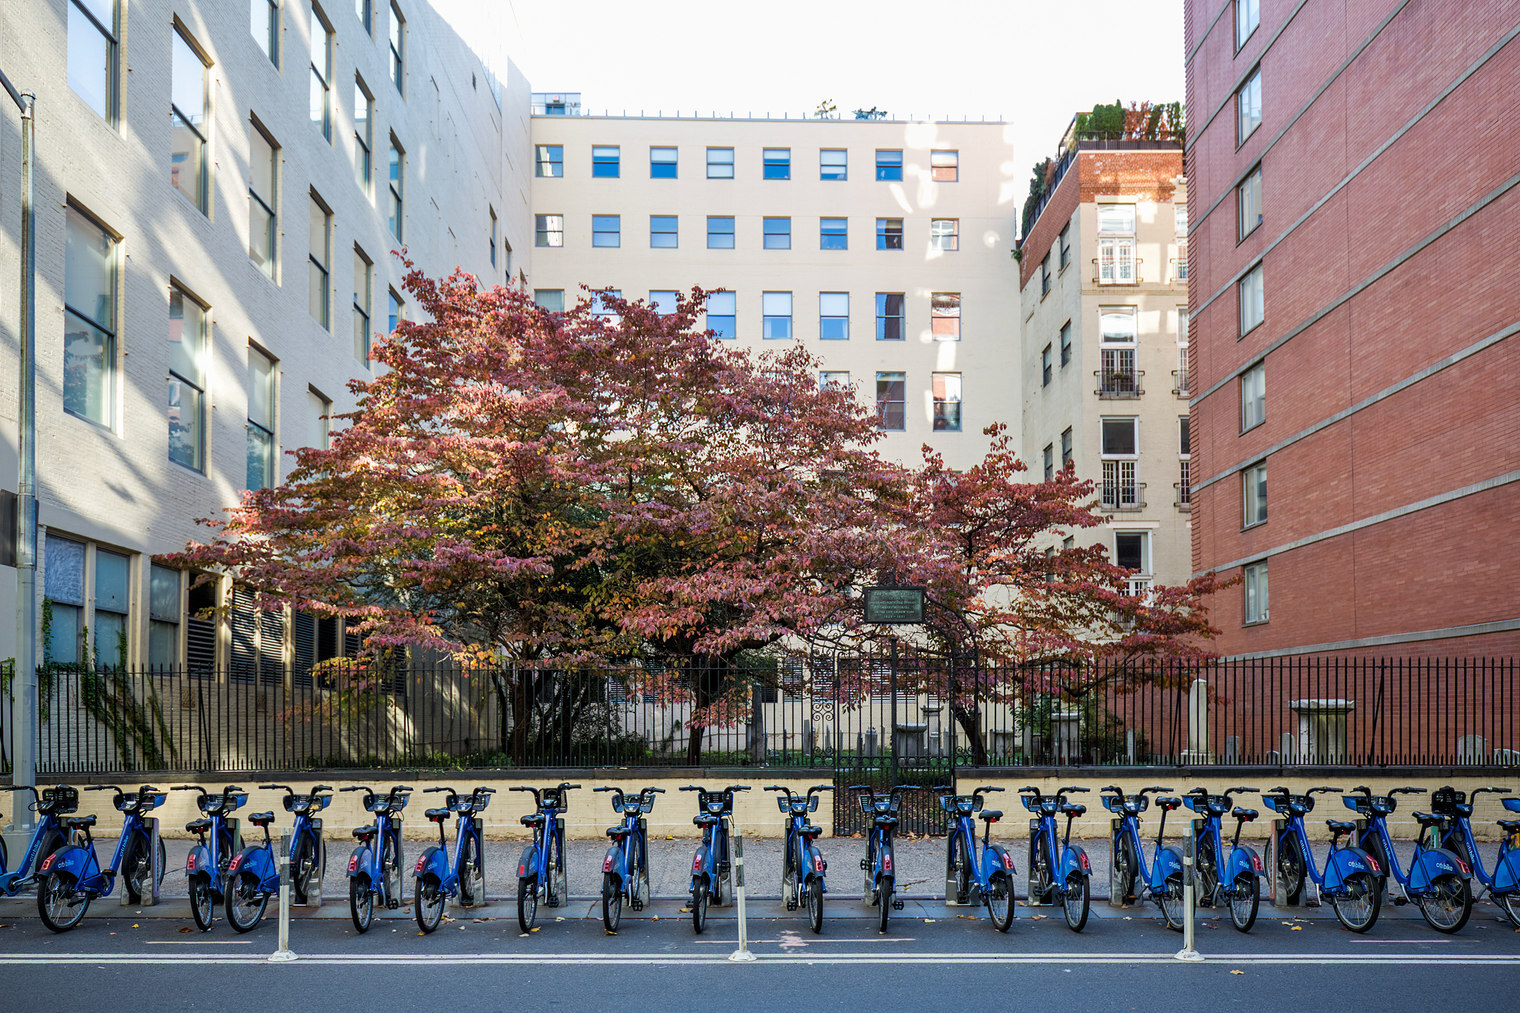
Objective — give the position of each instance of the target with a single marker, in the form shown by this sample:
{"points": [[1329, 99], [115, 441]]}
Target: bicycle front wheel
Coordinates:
{"points": [[815, 904], [472, 877], [960, 865], [245, 902], [304, 872], [1039, 888], [200, 902], [883, 903], [1207, 873], [390, 870], [1448, 903], [59, 907], [137, 868], [1244, 899], [427, 903], [1356, 904], [1121, 877], [1291, 867], [1077, 901], [1510, 903]]}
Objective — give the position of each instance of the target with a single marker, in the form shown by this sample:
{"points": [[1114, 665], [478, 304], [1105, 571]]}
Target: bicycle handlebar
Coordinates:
{"points": [[104, 787], [1406, 791], [1314, 791]]}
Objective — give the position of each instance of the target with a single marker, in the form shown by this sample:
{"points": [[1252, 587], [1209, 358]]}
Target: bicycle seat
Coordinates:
{"points": [[1074, 809], [705, 820], [1509, 826], [199, 826], [261, 819], [1428, 819], [365, 833], [619, 831], [532, 820], [438, 815], [1243, 814], [79, 822], [1339, 827], [809, 830], [991, 815], [1169, 803], [885, 821]]}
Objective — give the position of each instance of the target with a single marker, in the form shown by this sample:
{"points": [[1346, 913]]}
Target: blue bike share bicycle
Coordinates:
{"points": [[1131, 875], [50, 805], [802, 864], [440, 877], [1351, 876], [1061, 872], [711, 865], [253, 875], [988, 872], [1233, 881], [374, 869], [880, 865], [1437, 880], [541, 869], [1503, 884], [71, 877], [625, 870], [206, 865]]}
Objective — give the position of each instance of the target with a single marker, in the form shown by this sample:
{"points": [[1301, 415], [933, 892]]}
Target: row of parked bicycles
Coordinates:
{"points": [[1443, 876]]}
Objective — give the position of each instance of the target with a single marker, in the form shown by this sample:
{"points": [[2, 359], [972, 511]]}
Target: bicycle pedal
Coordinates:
{"points": [[897, 905], [865, 864], [636, 904], [791, 905], [392, 902], [1399, 901]]}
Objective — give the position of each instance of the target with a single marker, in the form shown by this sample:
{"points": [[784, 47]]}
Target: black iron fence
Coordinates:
{"points": [[861, 719]]}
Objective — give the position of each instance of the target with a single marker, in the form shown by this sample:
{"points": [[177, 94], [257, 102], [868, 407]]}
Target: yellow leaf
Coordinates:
{"points": [[1237, 972]]}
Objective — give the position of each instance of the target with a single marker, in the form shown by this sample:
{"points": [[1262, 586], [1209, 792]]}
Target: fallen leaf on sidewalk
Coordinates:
{"points": [[559, 918], [928, 921], [136, 926], [1296, 928], [1038, 918], [1237, 972], [686, 910], [185, 929]]}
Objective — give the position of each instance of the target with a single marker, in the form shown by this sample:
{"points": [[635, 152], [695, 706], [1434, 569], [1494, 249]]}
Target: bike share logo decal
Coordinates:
{"points": [[1354, 864]]}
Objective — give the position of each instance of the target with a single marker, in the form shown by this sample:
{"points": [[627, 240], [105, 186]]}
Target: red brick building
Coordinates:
{"points": [[1354, 211]]}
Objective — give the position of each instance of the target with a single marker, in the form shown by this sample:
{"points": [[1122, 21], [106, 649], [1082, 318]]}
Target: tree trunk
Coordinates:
{"points": [[969, 718]]}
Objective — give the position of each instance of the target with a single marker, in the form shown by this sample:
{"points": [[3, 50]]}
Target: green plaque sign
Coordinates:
{"points": [[894, 604]]}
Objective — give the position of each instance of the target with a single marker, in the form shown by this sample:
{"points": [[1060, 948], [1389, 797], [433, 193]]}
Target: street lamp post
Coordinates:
{"points": [[24, 680]]}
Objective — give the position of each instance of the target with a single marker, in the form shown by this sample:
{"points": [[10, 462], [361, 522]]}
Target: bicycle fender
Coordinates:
{"points": [[1075, 861], [1241, 860], [1168, 861], [1344, 862], [361, 864], [996, 858], [613, 863], [199, 860], [433, 862], [1430, 864], [815, 864], [699, 867], [72, 859], [254, 859], [527, 865]]}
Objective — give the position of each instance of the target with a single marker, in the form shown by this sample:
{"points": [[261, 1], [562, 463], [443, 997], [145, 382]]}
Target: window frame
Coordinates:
{"points": [[322, 76], [364, 137], [544, 232], [1248, 93], [711, 219], [110, 97], [321, 312], [885, 318], [720, 163], [267, 425], [271, 231], [1065, 334], [775, 163], [1255, 607], [728, 302], [772, 236], [1253, 396], [1065, 246], [886, 233], [556, 160], [197, 362], [1253, 495], [835, 321], [889, 170], [269, 38], [944, 420], [940, 309], [1251, 295], [825, 171], [1247, 200], [1047, 365], [657, 167], [885, 403], [364, 270], [600, 231], [942, 170], [605, 165], [109, 331], [773, 320], [674, 232], [200, 197], [396, 206], [942, 239], [397, 41], [1247, 20], [833, 236]]}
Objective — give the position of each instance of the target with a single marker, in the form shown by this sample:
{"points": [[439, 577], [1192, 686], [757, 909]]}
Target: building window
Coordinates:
{"points": [[551, 299], [1045, 276], [398, 50], [364, 10], [263, 231], [1248, 105], [889, 164], [777, 163], [163, 616], [318, 260], [63, 568], [892, 401], [664, 301], [1132, 550], [1118, 336], [395, 310], [264, 22], [1253, 397], [187, 380], [662, 232], [495, 235], [944, 166], [720, 163], [945, 316], [187, 108], [1247, 17], [833, 163], [1047, 367], [1252, 300], [319, 418], [606, 161], [1185, 461], [1180, 374], [363, 280], [776, 310], [364, 108], [1254, 577], [947, 402], [945, 234], [1067, 460], [89, 320], [1249, 200], [834, 379], [549, 161], [778, 233], [834, 316], [720, 232], [92, 54], [1253, 495], [261, 406], [890, 316], [722, 315], [889, 233], [548, 230], [606, 230], [321, 74], [662, 163], [1116, 244], [1050, 461], [1120, 453], [1065, 343], [1065, 245], [833, 234], [397, 184]]}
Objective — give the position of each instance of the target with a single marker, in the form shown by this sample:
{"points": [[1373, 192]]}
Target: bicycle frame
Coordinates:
{"points": [[1459, 838], [435, 862], [50, 804], [991, 858], [259, 860], [366, 862], [548, 835], [1242, 858], [1068, 859], [879, 863], [217, 838], [629, 853], [711, 859], [1165, 860], [800, 852], [1424, 865], [80, 860]]}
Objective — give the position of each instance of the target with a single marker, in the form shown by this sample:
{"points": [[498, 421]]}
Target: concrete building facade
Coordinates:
{"points": [[1104, 289], [1354, 206]]}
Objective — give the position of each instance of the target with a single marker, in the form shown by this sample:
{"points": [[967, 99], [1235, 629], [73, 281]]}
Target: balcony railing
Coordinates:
{"points": [[1184, 500], [1120, 490], [1119, 378], [1180, 382], [1119, 269]]}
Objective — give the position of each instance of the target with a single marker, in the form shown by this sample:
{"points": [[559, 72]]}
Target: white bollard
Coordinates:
{"points": [[742, 954], [282, 862], [1188, 952]]}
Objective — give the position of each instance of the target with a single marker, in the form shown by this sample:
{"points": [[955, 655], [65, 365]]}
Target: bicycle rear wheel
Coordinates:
{"points": [[814, 900], [57, 904], [1244, 901], [245, 903], [699, 907], [883, 903], [428, 903], [612, 902], [1170, 901], [1000, 901], [1357, 903], [527, 902], [1076, 901], [1448, 904]]}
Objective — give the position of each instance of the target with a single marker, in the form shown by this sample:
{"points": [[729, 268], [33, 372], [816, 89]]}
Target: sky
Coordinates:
{"points": [[1031, 64]]}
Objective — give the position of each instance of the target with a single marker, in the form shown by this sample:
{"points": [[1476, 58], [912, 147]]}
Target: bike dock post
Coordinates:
{"points": [[1189, 899], [1116, 889], [155, 871], [1276, 889], [951, 886], [282, 862], [319, 856], [742, 954]]}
